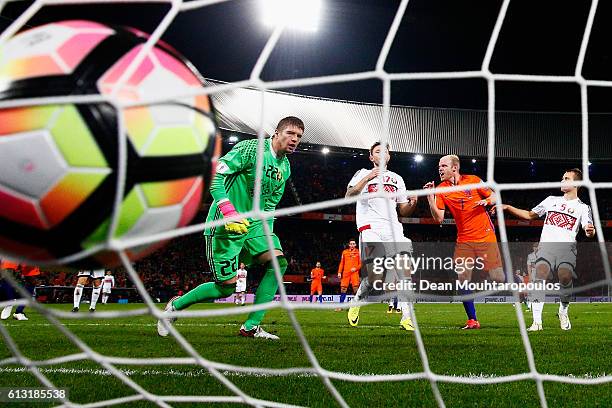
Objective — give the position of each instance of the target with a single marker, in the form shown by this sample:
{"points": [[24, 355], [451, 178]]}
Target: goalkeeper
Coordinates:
{"points": [[244, 240]]}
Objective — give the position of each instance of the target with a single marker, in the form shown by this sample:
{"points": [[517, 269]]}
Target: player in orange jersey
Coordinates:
{"points": [[476, 238], [348, 270], [316, 285]]}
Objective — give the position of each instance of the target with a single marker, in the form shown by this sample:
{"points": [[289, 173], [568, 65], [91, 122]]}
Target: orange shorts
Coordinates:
{"points": [[483, 255], [351, 278], [316, 286]]}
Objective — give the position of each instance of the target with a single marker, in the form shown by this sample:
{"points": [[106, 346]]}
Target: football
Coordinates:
{"points": [[63, 167]]}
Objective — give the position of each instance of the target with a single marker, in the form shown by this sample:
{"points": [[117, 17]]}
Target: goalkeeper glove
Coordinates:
{"points": [[238, 227]]}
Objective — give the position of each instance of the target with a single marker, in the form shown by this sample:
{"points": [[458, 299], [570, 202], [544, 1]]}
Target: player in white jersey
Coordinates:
{"points": [[108, 283], [377, 220], [557, 248], [531, 271], [96, 276], [241, 284]]}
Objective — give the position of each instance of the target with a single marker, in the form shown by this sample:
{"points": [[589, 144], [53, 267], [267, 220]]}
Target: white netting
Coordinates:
{"points": [[217, 369]]}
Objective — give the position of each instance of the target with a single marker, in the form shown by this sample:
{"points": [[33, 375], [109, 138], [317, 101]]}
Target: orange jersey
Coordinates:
{"points": [[473, 221], [317, 274], [8, 265], [350, 259]]}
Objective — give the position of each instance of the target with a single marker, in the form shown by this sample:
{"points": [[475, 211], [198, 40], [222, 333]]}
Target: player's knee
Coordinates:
{"points": [[282, 263], [497, 274], [565, 276], [343, 289], [226, 288]]}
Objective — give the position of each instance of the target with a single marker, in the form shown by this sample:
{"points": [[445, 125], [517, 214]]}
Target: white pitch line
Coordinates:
{"points": [[205, 373]]}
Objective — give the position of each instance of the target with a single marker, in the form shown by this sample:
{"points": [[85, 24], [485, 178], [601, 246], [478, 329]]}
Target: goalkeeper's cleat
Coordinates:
{"points": [[407, 324], [535, 327], [398, 310], [238, 227], [92, 310], [75, 310], [353, 316], [564, 321], [161, 328], [390, 309], [471, 324], [257, 332], [20, 316]]}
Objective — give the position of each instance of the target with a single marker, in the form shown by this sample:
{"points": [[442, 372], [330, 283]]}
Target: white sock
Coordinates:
{"points": [[528, 305], [536, 309], [563, 308], [95, 294], [390, 302], [104, 298], [403, 306], [76, 298]]}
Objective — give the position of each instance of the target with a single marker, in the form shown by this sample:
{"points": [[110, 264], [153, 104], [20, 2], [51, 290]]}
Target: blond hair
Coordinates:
{"points": [[454, 160]]}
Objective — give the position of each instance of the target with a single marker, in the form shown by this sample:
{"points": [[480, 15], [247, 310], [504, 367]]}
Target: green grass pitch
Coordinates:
{"points": [[377, 346]]}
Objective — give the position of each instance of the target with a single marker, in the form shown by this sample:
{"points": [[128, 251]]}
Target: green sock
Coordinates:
{"points": [[206, 291], [265, 292]]}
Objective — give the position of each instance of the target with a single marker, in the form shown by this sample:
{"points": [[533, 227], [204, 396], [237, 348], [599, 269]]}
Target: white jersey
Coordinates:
{"points": [[108, 282], [241, 278], [379, 212], [563, 218]]}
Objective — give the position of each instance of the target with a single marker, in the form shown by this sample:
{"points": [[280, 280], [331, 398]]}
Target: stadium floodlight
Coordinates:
{"points": [[325, 150], [418, 158], [275, 12], [474, 161], [233, 139]]}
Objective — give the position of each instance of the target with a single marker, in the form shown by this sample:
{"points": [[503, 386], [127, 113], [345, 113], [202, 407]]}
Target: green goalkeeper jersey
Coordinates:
{"points": [[235, 180]]}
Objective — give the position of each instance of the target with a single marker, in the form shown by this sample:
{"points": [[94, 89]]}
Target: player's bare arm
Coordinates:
{"points": [[436, 213], [519, 213], [357, 188], [406, 209]]}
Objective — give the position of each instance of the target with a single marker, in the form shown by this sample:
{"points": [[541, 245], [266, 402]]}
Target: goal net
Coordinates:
{"points": [[224, 373]]}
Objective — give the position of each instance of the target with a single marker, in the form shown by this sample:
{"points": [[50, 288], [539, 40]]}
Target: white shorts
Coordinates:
{"points": [[95, 274], [240, 286], [392, 237], [394, 243], [106, 290], [556, 256]]}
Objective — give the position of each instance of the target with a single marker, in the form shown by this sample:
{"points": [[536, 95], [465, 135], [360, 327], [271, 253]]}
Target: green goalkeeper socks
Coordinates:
{"points": [[206, 291], [265, 292]]}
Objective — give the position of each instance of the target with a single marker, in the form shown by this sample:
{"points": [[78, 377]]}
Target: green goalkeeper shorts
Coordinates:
{"points": [[226, 250]]}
